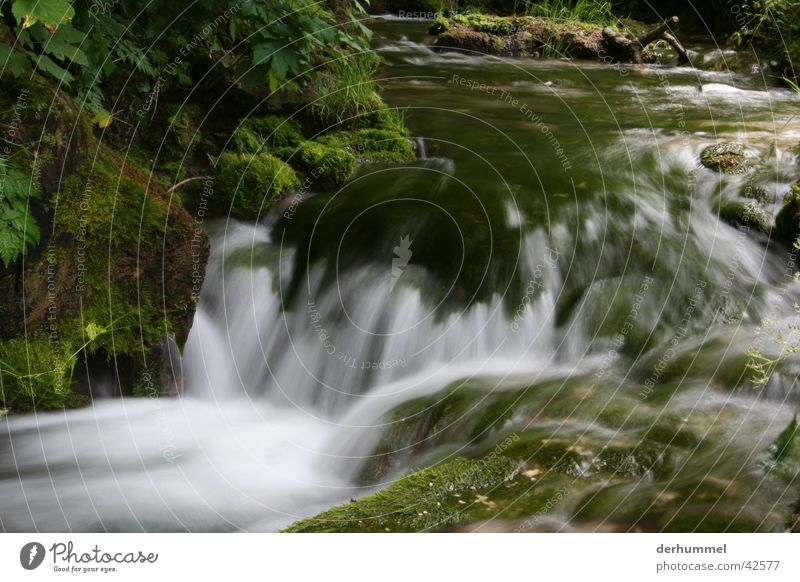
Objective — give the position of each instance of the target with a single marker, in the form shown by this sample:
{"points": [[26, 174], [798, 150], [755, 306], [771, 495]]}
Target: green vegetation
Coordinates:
{"points": [[785, 452], [431, 499], [298, 67], [81, 44], [36, 373], [574, 10], [749, 214], [772, 27], [258, 134], [248, 184], [372, 145], [18, 228], [331, 166], [787, 221], [345, 92]]}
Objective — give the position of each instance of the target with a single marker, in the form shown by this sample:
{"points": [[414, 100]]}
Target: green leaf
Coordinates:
{"points": [[11, 246], [48, 12], [18, 229], [264, 51], [62, 45], [102, 118], [93, 331], [46, 65], [14, 62], [273, 81]]}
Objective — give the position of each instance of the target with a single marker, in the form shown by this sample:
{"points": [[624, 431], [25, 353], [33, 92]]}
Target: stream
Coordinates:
{"points": [[557, 233]]}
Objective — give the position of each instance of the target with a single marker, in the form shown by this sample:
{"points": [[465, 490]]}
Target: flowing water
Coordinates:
{"points": [[557, 235]]}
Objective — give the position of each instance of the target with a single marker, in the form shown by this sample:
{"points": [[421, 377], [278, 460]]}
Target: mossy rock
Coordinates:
{"points": [[746, 214], [659, 52], [119, 275], [757, 192], [184, 124], [727, 158], [632, 462], [372, 145], [324, 164], [259, 134], [622, 502], [247, 185], [433, 499], [787, 222], [785, 452], [35, 373]]}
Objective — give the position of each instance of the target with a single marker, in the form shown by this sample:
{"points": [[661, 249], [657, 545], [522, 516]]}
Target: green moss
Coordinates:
{"points": [[623, 502], [785, 452], [328, 165], [727, 158], [184, 125], [748, 214], [372, 145], [101, 206], [247, 185], [428, 500], [35, 373], [672, 435], [787, 222], [555, 456], [631, 462], [416, 426], [259, 134], [659, 52]]}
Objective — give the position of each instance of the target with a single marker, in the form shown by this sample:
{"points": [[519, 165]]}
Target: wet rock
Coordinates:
{"points": [[471, 41], [117, 269], [659, 52], [787, 222], [727, 158], [748, 214]]}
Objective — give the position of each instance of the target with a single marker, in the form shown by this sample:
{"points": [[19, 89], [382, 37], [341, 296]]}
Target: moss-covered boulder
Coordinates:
{"points": [[785, 452], [259, 134], [659, 53], [429, 500], [787, 222], [117, 271], [727, 158], [247, 185], [522, 36], [372, 145], [748, 214], [473, 41], [325, 165]]}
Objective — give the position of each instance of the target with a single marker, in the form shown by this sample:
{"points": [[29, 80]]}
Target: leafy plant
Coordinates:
{"points": [[572, 10], [18, 228], [257, 42], [773, 27], [762, 366], [345, 91], [37, 372]]}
